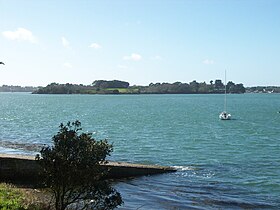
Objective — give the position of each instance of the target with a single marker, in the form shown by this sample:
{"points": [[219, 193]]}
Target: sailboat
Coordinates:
{"points": [[225, 115]]}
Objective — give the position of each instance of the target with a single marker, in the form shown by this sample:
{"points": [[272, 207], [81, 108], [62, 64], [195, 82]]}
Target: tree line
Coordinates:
{"points": [[193, 87], [122, 87]]}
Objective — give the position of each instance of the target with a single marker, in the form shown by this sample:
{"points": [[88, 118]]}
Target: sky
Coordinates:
{"points": [[139, 41]]}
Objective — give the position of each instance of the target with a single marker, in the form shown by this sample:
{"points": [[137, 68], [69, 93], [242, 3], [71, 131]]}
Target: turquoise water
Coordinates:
{"points": [[222, 164]]}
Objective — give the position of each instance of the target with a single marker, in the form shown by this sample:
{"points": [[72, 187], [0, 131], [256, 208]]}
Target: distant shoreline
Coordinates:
{"points": [[122, 87], [102, 87]]}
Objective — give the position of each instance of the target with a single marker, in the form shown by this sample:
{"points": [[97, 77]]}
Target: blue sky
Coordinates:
{"points": [[139, 41]]}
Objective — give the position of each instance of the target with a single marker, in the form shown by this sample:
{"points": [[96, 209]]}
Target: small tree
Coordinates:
{"points": [[72, 170]]}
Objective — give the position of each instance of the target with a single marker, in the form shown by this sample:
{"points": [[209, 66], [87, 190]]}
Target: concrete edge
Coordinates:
{"points": [[25, 168]]}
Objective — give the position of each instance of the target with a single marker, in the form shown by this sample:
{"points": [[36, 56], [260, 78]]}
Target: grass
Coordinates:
{"points": [[125, 90], [130, 90], [13, 198]]}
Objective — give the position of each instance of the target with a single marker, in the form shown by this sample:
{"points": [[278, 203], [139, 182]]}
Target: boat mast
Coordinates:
{"points": [[225, 104]]}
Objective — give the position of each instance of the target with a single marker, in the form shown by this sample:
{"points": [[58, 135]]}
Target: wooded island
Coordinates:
{"points": [[122, 87]]}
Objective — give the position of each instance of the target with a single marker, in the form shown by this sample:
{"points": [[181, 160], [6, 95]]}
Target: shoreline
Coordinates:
{"points": [[25, 169]]}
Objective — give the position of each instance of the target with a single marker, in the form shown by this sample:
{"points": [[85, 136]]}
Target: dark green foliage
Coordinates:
{"points": [[235, 88], [72, 170], [119, 87], [103, 84], [55, 88], [192, 88], [219, 84]]}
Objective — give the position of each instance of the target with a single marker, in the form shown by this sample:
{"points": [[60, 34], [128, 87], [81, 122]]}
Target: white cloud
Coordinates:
{"points": [[133, 56], [65, 42], [67, 65], [21, 34], [95, 46], [208, 62]]}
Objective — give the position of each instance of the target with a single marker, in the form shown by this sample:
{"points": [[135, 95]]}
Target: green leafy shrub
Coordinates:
{"points": [[72, 170]]}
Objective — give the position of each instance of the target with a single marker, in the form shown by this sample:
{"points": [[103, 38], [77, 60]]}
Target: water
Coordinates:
{"points": [[221, 164]]}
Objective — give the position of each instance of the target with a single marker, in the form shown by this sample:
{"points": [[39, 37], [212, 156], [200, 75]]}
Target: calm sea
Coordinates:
{"points": [[221, 164]]}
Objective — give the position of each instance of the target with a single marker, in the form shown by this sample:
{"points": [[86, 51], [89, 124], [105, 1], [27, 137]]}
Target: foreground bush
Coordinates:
{"points": [[72, 170]]}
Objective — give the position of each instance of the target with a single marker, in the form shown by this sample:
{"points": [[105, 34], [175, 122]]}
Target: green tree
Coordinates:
{"points": [[203, 88], [72, 170], [110, 84], [194, 85], [218, 84], [240, 88]]}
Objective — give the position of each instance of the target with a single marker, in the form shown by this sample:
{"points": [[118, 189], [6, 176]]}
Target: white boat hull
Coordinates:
{"points": [[225, 116]]}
